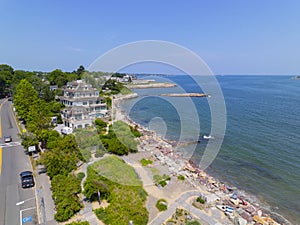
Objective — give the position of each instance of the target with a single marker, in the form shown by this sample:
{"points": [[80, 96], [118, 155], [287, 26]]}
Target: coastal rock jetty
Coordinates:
{"points": [[185, 95], [150, 85]]}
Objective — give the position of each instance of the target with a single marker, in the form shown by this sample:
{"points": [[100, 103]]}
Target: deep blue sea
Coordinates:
{"points": [[260, 153]]}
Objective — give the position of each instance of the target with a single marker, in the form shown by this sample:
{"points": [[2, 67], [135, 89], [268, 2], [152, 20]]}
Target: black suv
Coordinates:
{"points": [[27, 179]]}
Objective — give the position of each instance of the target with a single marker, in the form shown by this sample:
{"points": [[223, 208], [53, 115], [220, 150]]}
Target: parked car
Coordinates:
{"points": [[27, 179], [7, 139], [66, 130]]}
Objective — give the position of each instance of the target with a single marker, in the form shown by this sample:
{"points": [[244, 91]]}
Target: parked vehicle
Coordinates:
{"points": [[7, 139], [27, 179], [66, 130]]}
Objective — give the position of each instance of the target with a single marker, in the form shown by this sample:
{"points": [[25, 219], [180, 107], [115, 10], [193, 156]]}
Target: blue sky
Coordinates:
{"points": [[232, 36]]}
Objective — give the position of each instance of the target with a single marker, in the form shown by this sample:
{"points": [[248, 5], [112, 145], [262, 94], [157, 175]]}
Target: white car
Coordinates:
{"points": [[67, 130], [7, 139]]}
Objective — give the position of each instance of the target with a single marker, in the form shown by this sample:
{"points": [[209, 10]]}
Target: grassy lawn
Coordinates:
{"points": [[154, 171], [115, 170], [121, 188]]}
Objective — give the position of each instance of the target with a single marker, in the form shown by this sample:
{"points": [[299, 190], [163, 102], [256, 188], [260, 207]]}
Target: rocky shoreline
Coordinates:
{"points": [[239, 207]]}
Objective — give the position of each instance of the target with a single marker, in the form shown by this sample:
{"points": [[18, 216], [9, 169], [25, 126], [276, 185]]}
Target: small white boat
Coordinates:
{"points": [[207, 137]]}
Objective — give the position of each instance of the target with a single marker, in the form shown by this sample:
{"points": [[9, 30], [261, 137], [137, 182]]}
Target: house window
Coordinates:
{"points": [[90, 102], [84, 103]]}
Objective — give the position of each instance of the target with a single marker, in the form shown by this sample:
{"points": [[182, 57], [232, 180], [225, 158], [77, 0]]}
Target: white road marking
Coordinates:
{"points": [[10, 144]]}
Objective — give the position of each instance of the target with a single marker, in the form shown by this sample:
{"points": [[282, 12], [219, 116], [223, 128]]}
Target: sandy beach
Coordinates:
{"points": [[224, 204]]}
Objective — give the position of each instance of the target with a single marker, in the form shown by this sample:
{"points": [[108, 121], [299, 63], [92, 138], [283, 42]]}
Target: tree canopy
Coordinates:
{"points": [[24, 98], [6, 74]]}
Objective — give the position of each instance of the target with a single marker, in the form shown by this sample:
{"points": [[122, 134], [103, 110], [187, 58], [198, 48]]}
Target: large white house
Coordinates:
{"points": [[83, 104]]}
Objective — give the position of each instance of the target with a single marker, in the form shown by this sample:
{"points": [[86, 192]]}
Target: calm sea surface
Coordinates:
{"points": [[260, 153]]}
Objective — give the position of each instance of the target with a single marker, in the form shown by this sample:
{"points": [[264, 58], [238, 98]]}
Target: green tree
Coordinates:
{"points": [[37, 83], [47, 94], [6, 75], [38, 118], [65, 196], [29, 139], [57, 77], [58, 162], [80, 71], [17, 77], [92, 186], [24, 98], [62, 154]]}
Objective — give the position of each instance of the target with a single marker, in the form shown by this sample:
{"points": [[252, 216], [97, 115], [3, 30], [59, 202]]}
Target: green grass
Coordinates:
{"points": [[154, 171], [80, 176], [121, 188], [115, 170], [125, 91]]}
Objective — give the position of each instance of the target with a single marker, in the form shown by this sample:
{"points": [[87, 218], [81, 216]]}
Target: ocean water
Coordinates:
{"points": [[260, 153]]}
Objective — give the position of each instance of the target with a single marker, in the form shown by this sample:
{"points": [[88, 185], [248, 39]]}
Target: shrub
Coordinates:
{"points": [[200, 200], [161, 180], [161, 205], [100, 152], [181, 177], [145, 162], [119, 140], [135, 132], [163, 183], [100, 125]]}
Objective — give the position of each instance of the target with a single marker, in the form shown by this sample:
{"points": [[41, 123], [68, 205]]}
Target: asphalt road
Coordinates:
{"points": [[13, 160]]}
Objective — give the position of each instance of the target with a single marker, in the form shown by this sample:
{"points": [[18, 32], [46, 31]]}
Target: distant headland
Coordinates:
{"points": [[296, 78]]}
